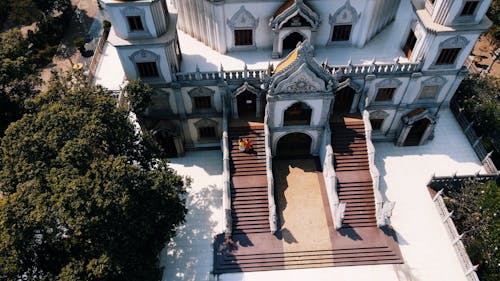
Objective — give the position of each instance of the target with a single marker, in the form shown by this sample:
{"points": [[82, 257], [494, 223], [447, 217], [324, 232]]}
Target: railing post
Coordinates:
{"points": [[438, 194]]}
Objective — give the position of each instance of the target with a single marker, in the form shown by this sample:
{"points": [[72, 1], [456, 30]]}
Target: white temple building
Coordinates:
{"points": [[322, 78]]}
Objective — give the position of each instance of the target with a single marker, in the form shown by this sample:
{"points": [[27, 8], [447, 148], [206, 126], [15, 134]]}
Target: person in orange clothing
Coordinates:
{"points": [[248, 145]]}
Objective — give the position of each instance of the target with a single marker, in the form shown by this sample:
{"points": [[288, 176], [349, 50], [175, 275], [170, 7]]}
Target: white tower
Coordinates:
{"points": [[144, 33]]}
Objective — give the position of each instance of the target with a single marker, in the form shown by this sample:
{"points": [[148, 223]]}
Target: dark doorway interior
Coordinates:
{"points": [[291, 41], [247, 104], [416, 132], [343, 102], [294, 145], [166, 141]]}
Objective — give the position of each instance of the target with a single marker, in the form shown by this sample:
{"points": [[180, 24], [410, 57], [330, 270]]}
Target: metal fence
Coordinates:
{"points": [[473, 138]]}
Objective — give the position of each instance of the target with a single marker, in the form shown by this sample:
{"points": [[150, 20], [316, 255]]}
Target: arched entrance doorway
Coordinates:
{"points": [[247, 104], [290, 42], [343, 101], [167, 142], [416, 132], [294, 145], [298, 113]]}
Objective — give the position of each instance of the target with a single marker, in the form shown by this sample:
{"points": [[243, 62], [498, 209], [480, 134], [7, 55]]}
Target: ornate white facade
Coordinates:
{"points": [[399, 60]]}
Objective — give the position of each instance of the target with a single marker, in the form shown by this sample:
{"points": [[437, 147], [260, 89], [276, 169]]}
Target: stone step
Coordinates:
{"points": [[306, 259]]}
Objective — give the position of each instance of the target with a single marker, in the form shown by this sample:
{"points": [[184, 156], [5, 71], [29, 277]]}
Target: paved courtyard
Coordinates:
{"points": [[404, 171]]}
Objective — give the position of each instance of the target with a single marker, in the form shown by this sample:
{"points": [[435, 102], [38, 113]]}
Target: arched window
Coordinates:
{"points": [[342, 23], [298, 113], [243, 25]]}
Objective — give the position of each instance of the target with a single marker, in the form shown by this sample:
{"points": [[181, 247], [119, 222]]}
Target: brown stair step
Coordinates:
{"points": [[260, 218], [252, 198], [260, 207], [250, 191], [250, 215], [254, 168], [254, 173]]}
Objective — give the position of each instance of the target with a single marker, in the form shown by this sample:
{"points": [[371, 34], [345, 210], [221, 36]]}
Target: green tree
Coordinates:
{"points": [[476, 213], [481, 100], [84, 196], [138, 95]]}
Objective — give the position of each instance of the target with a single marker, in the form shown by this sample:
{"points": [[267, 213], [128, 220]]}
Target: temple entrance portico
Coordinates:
{"points": [[417, 128], [294, 145]]}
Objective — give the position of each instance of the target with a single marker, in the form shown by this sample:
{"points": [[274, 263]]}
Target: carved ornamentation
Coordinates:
{"points": [[345, 14], [303, 80], [379, 114], [243, 19], [454, 42]]}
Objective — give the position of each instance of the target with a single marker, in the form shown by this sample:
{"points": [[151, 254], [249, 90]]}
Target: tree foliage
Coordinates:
{"points": [[138, 95], [494, 15], [25, 12], [476, 213], [84, 196], [480, 98]]}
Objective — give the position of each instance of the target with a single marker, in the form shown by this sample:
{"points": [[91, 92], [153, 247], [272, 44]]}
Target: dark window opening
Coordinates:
{"points": [[206, 132], [297, 114], [135, 23], [469, 8], [243, 37], [448, 56], [385, 94], [203, 102], [341, 32], [409, 44], [376, 123], [432, 1], [147, 69]]}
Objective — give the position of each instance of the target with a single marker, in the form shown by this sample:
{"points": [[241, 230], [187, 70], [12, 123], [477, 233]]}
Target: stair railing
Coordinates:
{"points": [[337, 208], [383, 209], [273, 219], [226, 188]]}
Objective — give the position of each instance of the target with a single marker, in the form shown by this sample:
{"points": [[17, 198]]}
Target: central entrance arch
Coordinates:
{"points": [[294, 145], [290, 42], [417, 132]]}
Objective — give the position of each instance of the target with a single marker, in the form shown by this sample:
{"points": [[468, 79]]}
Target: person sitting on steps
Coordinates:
{"points": [[248, 145], [241, 145]]}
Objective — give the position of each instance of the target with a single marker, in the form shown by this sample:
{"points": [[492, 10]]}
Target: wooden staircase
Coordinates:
{"points": [[354, 186], [250, 212], [253, 248]]}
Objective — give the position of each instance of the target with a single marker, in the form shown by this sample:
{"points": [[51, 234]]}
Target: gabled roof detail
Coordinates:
{"points": [[301, 61], [290, 9], [418, 114]]}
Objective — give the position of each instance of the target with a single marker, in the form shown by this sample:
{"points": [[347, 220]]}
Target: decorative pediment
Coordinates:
{"points": [[144, 56], [434, 81], [378, 114], [246, 88], [308, 74], [389, 83], [243, 19], [345, 14], [418, 114], [303, 80], [294, 10], [454, 42]]}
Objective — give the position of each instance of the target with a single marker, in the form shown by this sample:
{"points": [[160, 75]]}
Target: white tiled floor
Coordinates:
{"points": [[405, 172], [189, 256]]}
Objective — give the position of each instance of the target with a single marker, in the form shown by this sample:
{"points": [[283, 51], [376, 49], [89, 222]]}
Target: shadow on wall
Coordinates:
{"points": [[189, 255]]}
